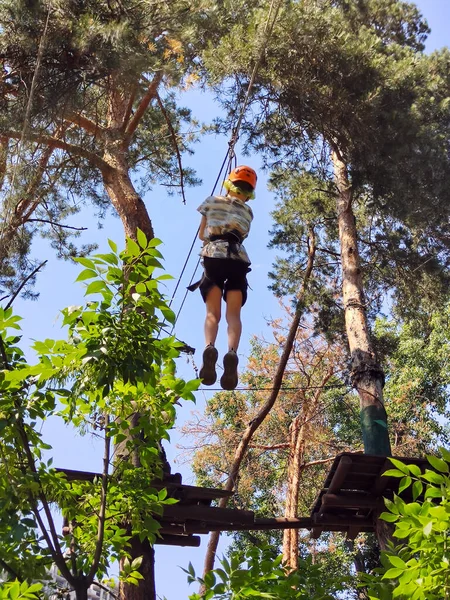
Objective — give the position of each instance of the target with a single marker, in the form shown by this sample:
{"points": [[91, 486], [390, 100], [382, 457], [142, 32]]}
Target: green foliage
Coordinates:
{"points": [[414, 356], [350, 76], [97, 61], [114, 374], [15, 590], [260, 574], [417, 566]]}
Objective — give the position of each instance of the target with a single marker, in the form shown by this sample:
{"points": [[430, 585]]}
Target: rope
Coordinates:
{"points": [[268, 29], [231, 155], [195, 237], [282, 389]]}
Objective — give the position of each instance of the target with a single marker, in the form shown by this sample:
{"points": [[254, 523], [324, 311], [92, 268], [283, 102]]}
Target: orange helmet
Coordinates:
{"points": [[243, 173]]}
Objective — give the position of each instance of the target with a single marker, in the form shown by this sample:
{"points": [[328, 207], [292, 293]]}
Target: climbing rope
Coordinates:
{"points": [[231, 155]]}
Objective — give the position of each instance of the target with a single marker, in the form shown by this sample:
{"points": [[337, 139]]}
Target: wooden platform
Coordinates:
{"points": [[353, 492], [349, 502]]}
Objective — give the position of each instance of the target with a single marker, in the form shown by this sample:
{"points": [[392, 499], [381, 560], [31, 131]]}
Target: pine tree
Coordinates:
{"points": [[346, 91]]}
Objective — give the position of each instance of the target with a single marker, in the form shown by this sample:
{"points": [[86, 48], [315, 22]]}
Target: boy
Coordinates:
{"points": [[225, 224]]}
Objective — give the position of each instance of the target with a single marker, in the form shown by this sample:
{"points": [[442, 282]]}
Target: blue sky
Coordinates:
{"points": [[176, 225]]}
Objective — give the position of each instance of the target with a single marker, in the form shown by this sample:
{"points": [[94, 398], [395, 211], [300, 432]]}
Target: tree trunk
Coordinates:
{"points": [[81, 591], [146, 589], [118, 185], [133, 214], [367, 374], [129, 205], [297, 443]]}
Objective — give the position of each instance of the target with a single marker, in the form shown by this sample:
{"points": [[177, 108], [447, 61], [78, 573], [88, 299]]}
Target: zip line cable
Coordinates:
{"points": [[196, 234], [230, 155], [282, 389]]}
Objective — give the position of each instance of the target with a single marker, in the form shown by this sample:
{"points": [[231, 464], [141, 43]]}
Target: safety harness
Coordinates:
{"points": [[234, 240]]}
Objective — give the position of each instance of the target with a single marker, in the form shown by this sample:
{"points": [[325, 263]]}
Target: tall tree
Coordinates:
{"points": [[88, 105], [349, 83]]}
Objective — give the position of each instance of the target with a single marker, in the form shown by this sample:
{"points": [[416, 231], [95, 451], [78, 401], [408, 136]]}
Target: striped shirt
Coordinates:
{"points": [[225, 215]]}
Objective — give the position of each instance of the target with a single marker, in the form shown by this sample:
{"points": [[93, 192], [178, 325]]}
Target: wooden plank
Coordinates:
{"points": [[381, 483], [192, 541], [330, 520], [342, 469], [174, 483], [181, 513], [352, 500], [262, 524], [190, 492]]}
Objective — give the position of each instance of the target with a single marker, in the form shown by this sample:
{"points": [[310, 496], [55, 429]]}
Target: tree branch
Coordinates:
{"points": [[318, 462], [4, 565], [24, 282], [175, 144], [274, 447], [143, 105], [129, 108], [54, 142], [85, 123], [3, 353], [56, 224], [267, 406]]}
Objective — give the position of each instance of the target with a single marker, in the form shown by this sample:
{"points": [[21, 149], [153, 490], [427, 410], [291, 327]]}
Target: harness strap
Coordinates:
{"points": [[234, 240]]}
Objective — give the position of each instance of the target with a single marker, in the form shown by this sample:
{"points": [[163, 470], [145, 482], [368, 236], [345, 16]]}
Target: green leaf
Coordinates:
{"points": [[86, 274], [132, 248], [141, 288], [14, 590], [400, 466], [396, 561], [392, 573], [433, 477], [417, 489], [389, 517], [169, 315], [432, 492], [428, 528], [113, 246], [109, 258], [95, 286], [393, 473], [438, 464], [86, 262], [137, 562], [445, 453], [404, 484], [141, 238], [414, 470]]}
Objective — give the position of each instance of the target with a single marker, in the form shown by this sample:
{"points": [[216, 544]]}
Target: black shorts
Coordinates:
{"points": [[227, 273]]}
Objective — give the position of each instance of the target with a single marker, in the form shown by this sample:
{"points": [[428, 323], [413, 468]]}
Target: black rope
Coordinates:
{"points": [[282, 389], [231, 155], [193, 244]]}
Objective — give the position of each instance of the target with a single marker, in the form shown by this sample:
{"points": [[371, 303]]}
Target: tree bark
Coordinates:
{"points": [[133, 214], [146, 589], [367, 374], [297, 432], [81, 590], [118, 185], [267, 406]]}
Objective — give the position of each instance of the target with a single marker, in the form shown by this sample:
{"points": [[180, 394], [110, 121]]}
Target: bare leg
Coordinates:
{"points": [[233, 316], [213, 306]]}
